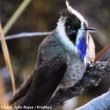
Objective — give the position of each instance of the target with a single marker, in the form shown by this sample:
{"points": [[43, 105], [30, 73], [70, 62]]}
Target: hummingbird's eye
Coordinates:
{"points": [[71, 28]]}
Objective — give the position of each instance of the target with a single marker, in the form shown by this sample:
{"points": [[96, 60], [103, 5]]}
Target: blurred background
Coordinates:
{"points": [[41, 16]]}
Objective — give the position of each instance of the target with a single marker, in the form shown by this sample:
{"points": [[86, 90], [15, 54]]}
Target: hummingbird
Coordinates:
{"points": [[62, 58]]}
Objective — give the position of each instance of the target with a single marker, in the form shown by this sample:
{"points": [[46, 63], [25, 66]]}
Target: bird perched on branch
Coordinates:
{"points": [[62, 58]]}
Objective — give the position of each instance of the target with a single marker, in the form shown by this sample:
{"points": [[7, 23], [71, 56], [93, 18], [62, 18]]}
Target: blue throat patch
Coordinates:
{"points": [[82, 46]]}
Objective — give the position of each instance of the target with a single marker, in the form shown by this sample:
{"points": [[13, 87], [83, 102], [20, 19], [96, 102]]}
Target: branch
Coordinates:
{"points": [[7, 58], [26, 35], [100, 103], [16, 15], [93, 75]]}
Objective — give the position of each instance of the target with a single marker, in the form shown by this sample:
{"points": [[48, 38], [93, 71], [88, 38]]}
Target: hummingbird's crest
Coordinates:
{"points": [[76, 13]]}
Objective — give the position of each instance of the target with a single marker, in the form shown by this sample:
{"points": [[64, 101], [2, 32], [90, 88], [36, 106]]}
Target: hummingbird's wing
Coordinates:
{"points": [[50, 69], [45, 80]]}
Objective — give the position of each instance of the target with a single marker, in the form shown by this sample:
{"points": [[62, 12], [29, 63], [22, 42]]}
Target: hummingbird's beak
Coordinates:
{"points": [[90, 29]]}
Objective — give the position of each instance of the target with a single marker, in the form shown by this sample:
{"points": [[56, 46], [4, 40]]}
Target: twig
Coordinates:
{"points": [[16, 15], [100, 103], [26, 35], [7, 57], [3, 100]]}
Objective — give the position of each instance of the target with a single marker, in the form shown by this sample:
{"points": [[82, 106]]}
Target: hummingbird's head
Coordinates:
{"points": [[74, 33]]}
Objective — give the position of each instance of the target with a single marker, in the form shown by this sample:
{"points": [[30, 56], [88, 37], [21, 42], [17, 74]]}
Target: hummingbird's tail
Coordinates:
{"points": [[21, 92]]}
